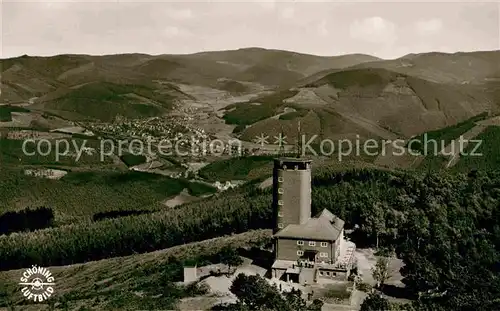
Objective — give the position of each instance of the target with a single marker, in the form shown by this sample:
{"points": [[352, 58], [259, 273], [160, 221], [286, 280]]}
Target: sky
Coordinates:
{"points": [[384, 29]]}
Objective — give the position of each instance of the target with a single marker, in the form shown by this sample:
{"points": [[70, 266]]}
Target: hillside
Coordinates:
{"points": [[104, 101], [26, 76], [369, 102], [105, 284], [334, 97], [461, 67]]}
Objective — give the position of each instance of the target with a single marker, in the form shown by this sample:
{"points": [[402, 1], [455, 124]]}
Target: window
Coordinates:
{"points": [[280, 179], [312, 243], [323, 255], [324, 244], [321, 273], [280, 202], [280, 214], [328, 273], [300, 242], [280, 190], [300, 253], [280, 226]]}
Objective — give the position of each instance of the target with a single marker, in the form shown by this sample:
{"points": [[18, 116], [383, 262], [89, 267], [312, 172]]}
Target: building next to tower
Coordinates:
{"points": [[307, 249]]}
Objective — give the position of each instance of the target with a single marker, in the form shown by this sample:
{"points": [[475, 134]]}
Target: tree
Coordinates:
{"points": [[294, 299], [229, 256], [375, 302], [316, 305], [256, 294], [253, 291], [381, 271], [374, 221]]}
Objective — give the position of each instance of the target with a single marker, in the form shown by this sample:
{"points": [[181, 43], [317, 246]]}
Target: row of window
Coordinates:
{"points": [[327, 273], [281, 191], [296, 167], [281, 179], [322, 255], [312, 243]]}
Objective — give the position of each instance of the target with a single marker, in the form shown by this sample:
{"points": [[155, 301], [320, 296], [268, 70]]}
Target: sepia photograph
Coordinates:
{"points": [[249, 155]]}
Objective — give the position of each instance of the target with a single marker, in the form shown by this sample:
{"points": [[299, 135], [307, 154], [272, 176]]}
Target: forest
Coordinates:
{"points": [[445, 227]]}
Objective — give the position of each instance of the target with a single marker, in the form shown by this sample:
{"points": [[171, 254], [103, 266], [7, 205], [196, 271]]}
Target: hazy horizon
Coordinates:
{"points": [[243, 48], [382, 29]]}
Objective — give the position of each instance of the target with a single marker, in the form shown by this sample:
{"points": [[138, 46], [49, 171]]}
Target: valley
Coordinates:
{"points": [[167, 162]]}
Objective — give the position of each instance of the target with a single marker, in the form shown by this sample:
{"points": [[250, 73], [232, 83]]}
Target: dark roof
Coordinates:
{"points": [[334, 220], [325, 227], [290, 159]]}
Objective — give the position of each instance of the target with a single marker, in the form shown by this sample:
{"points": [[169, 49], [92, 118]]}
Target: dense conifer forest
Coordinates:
{"points": [[445, 227]]}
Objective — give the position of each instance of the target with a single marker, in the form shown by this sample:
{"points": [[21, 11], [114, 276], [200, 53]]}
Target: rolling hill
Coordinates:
{"points": [[339, 96], [370, 102], [461, 67], [26, 76]]}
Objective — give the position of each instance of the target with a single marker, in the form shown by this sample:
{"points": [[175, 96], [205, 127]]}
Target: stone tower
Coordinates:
{"points": [[291, 191]]}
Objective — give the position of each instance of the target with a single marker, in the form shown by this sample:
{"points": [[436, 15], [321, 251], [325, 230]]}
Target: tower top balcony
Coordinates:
{"points": [[292, 163]]}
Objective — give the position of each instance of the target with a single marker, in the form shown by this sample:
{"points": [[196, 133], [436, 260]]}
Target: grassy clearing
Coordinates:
{"points": [[82, 194], [489, 149], [242, 168], [248, 113], [130, 282], [445, 135]]}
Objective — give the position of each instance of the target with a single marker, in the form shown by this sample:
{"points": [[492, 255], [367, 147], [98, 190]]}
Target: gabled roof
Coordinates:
{"points": [[318, 228], [334, 220]]}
